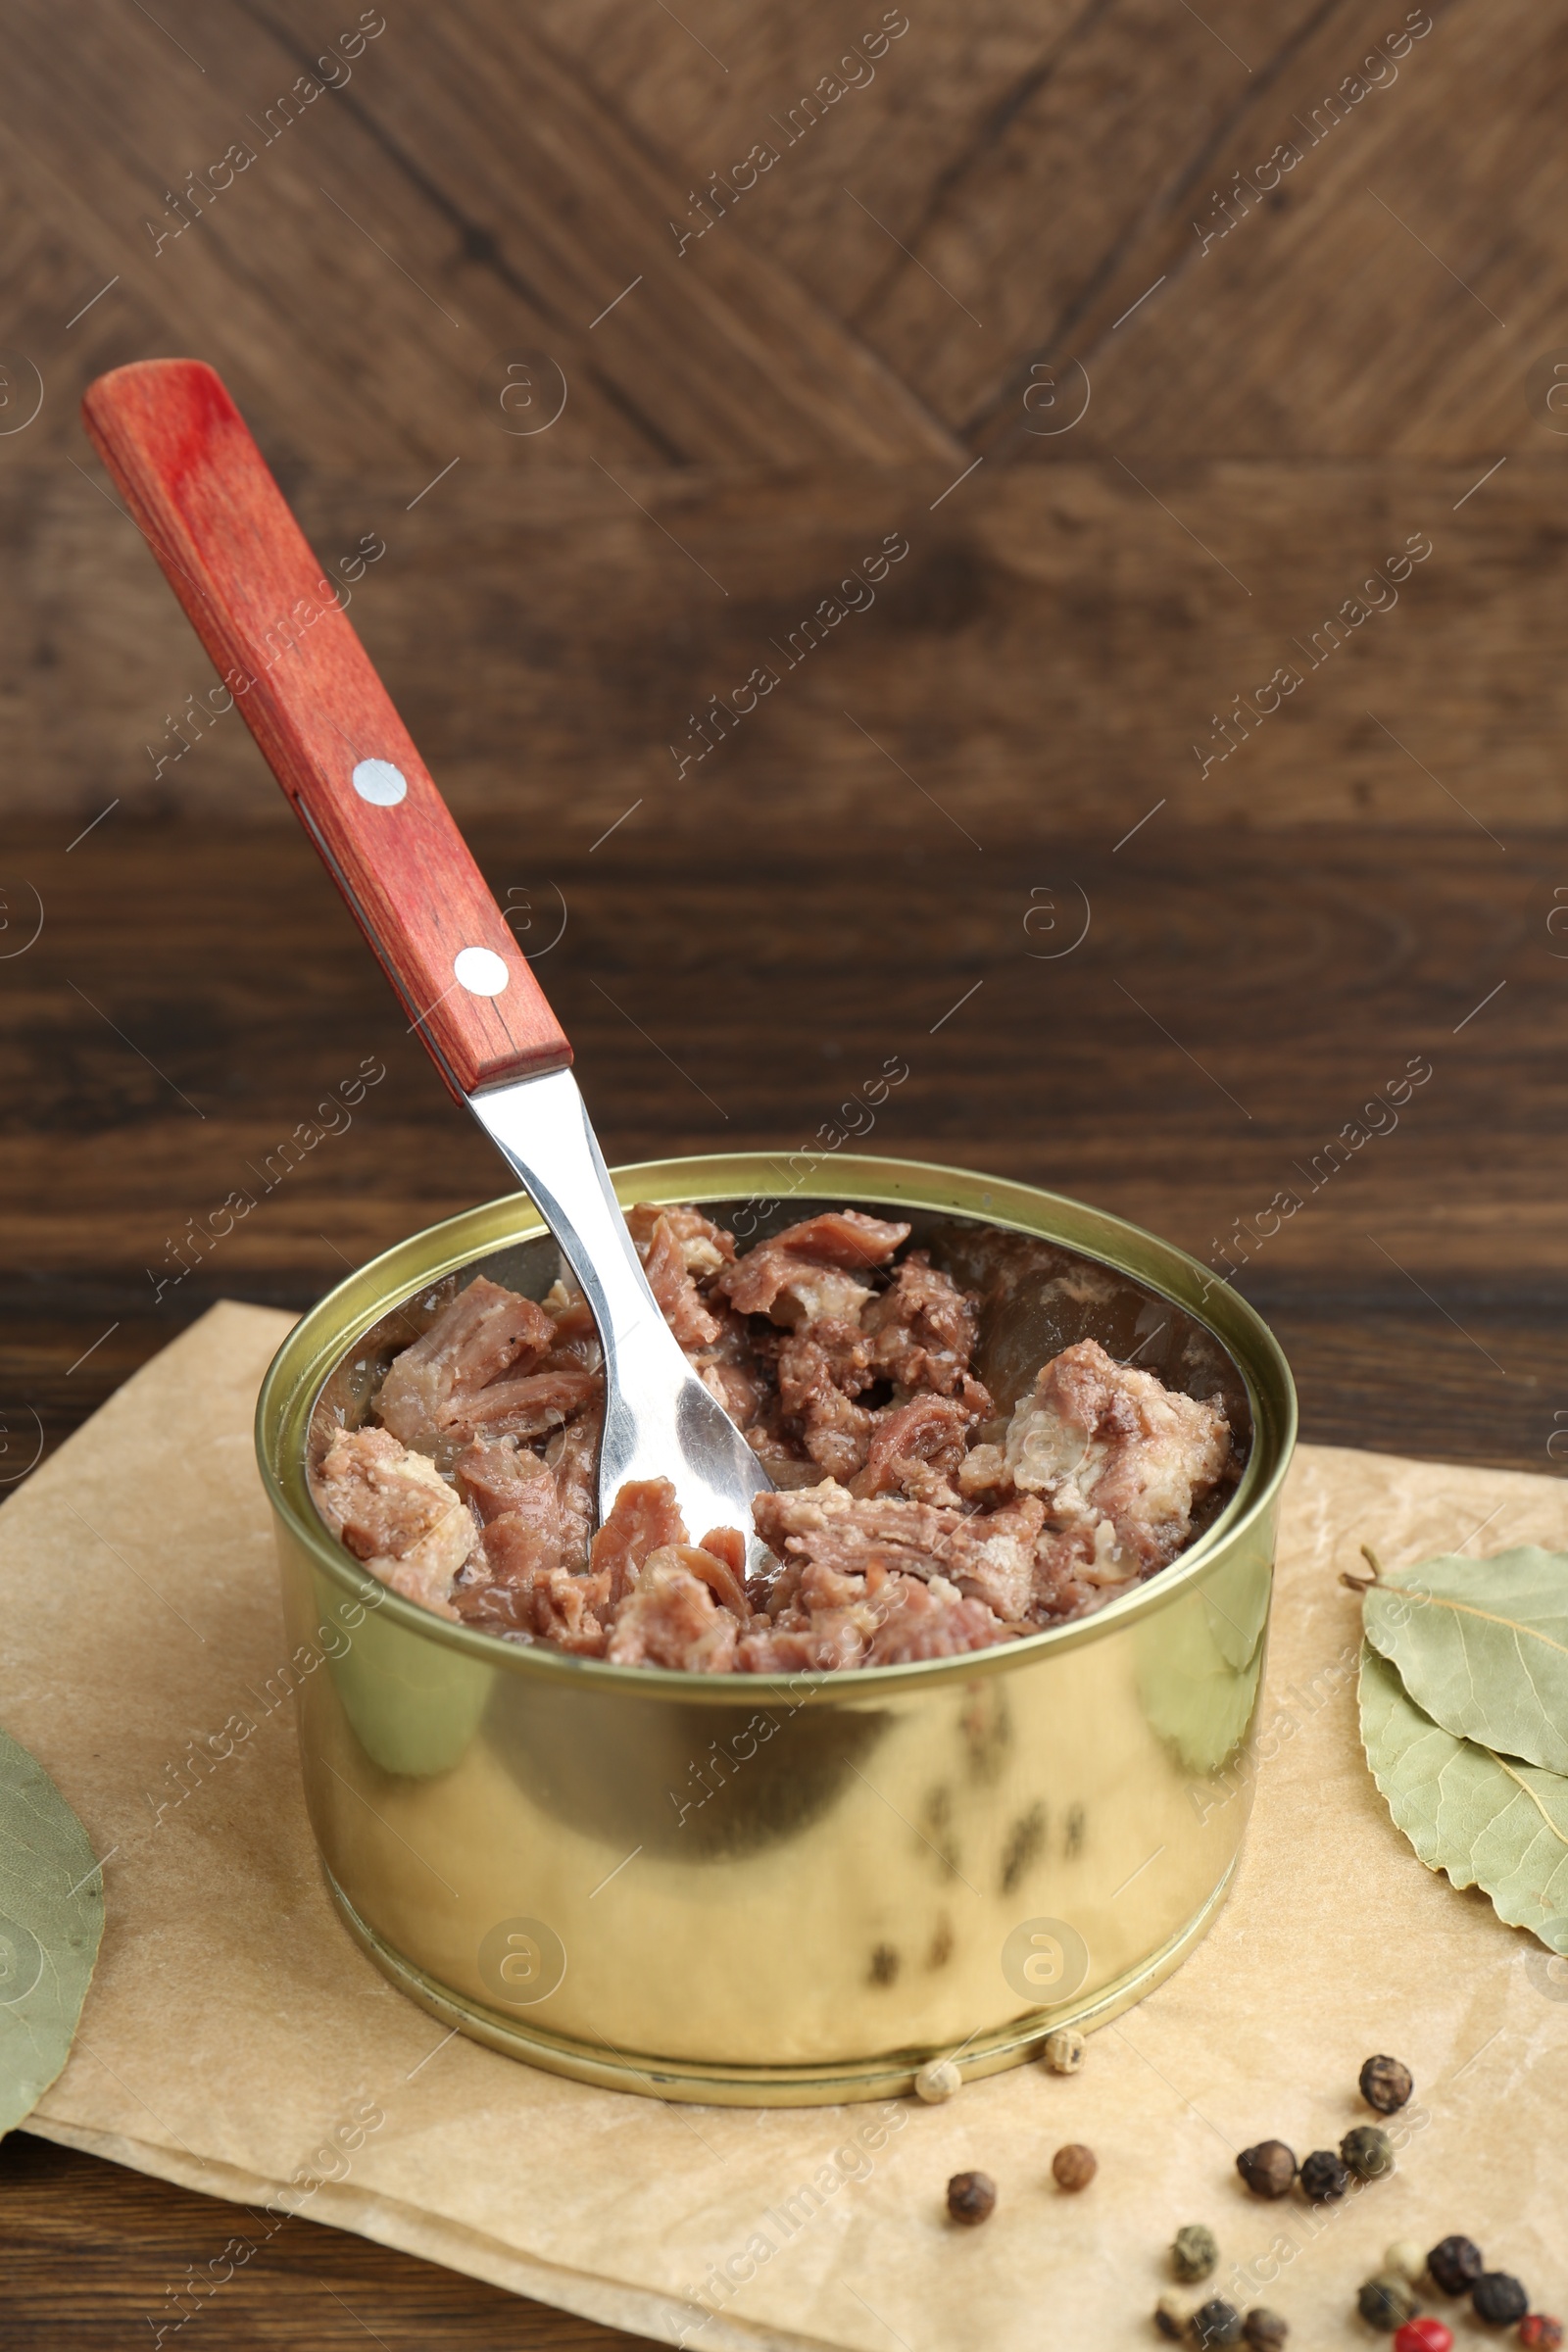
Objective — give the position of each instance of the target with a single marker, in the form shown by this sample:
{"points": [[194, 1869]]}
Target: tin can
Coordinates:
{"points": [[749, 1890]]}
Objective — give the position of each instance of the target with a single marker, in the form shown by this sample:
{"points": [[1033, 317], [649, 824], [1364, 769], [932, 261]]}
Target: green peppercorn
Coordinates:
{"points": [[1386, 2085], [1324, 2176], [1387, 2301], [1454, 2265], [1368, 2151], [1215, 2326], [1264, 2330], [1498, 2299], [1194, 2252], [1268, 2168]]}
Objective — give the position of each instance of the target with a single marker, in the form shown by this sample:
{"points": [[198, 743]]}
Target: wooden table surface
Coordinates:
{"points": [[1025, 817]]}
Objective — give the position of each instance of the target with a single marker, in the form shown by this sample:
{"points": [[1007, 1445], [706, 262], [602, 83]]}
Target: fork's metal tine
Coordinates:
{"points": [[660, 1420]]}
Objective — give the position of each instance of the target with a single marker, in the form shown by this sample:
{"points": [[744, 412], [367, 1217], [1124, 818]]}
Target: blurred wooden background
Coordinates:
{"points": [[1153, 334]]}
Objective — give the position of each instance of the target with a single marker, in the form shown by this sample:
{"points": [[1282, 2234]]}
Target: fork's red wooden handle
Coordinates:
{"points": [[198, 487]]}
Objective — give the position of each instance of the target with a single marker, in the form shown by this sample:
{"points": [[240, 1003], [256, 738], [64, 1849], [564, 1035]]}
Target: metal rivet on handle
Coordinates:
{"points": [[380, 783], [481, 970]]}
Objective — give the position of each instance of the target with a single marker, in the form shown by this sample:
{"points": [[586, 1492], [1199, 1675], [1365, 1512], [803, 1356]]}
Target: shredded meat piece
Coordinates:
{"points": [[570, 1611], [827, 1525], [994, 1556], [679, 1299], [836, 1432], [812, 1270], [644, 1518], [927, 1431], [779, 1456], [739, 1391], [717, 1575], [520, 1408], [572, 1456], [988, 1555], [515, 1498], [828, 1354], [484, 1332], [670, 1617], [704, 1248], [375, 1497], [681, 1249], [820, 1650], [930, 1620], [910, 1519], [821, 1368], [1078, 1570], [923, 1330], [547, 1604], [396, 1513], [497, 1475], [575, 1346], [520, 1544], [727, 1543], [984, 1476], [821, 1621], [1100, 1441]]}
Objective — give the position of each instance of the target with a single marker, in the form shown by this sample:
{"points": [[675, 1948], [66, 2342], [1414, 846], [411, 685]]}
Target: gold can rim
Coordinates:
{"points": [[327, 1331]]}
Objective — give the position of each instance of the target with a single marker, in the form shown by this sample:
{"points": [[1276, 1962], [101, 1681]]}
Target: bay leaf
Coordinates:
{"points": [[51, 1918], [1482, 1645], [1483, 1820]]}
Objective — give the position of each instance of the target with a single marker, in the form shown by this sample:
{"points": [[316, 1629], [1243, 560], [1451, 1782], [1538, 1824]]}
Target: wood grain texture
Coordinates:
{"points": [[1056, 653], [95, 2254], [275, 628], [496, 299], [448, 196], [1235, 1003]]}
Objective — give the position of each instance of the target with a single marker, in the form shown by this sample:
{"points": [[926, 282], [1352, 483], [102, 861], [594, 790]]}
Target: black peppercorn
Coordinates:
{"points": [[1268, 2168], [1498, 2299], [1170, 2319], [1386, 2085], [1387, 2301], [971, 2197], [1455, 2265], [1216, 2325], [1324, 2176], [1264, 2330], [1368, 2151]]}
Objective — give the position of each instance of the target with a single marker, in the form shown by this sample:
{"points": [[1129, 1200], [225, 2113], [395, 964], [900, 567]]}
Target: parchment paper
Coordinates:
{"points": [[237, 2041]]}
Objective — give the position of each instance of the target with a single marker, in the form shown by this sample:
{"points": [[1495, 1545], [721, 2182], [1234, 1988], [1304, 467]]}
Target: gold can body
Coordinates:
{"points": [[778, 1890]]}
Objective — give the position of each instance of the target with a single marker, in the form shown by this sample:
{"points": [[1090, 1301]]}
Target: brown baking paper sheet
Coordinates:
{"points": [[236, 2037]]}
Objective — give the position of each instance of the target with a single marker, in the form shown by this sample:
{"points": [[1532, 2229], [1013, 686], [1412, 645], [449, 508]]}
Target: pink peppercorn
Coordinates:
{"points": [[1424, 2336], [1539, 2332]]}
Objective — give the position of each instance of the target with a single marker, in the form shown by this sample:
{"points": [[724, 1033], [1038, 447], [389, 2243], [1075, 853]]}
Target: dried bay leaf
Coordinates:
{"points": [[1483, 1820], [51, 1918], [1482, 1645]]}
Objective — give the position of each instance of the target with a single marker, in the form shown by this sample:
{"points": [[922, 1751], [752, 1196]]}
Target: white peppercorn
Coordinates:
{"points": [[938, 2081], [1064, 2052]]}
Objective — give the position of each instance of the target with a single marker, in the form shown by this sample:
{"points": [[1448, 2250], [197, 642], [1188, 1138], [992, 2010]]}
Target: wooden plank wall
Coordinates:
{"points": [[940, 265]]}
